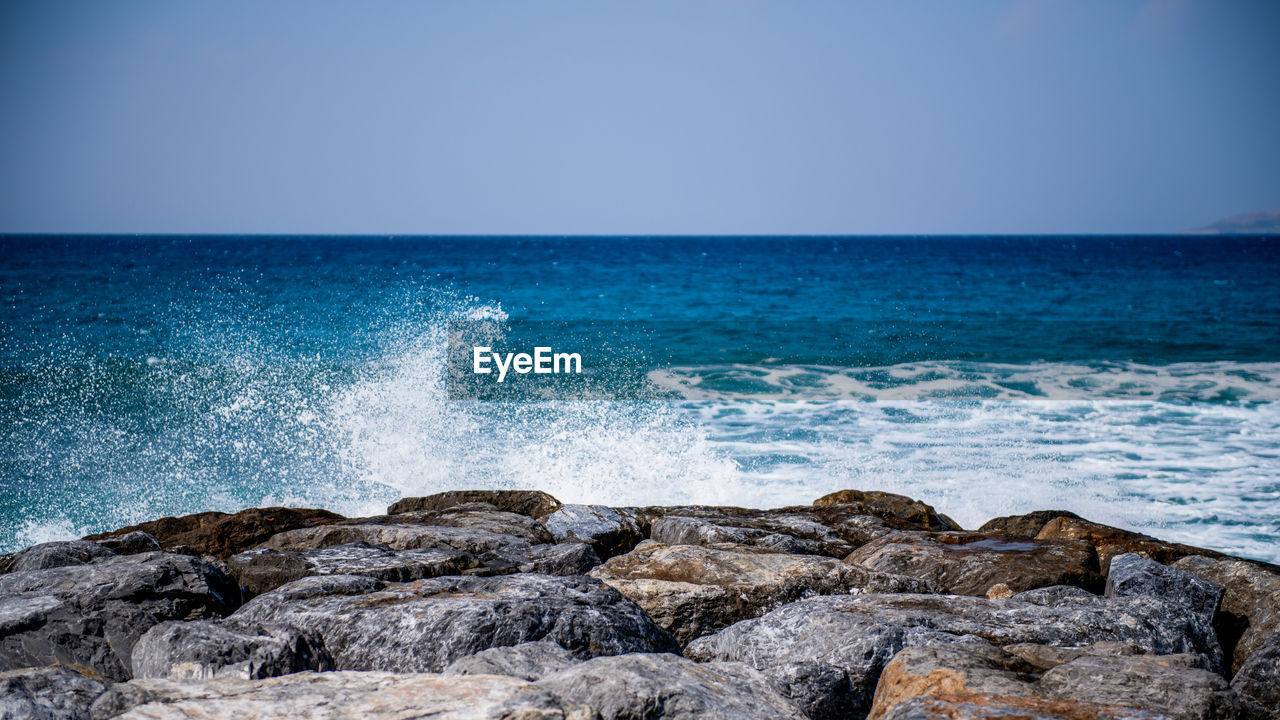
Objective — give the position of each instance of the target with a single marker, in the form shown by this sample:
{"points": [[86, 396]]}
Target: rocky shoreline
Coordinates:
{"points": [[509, 604]]}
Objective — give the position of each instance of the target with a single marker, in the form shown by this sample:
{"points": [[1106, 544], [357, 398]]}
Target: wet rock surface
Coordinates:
{"points": [[223, 534], [971, 563], [531, 503], [264, 569], [1250, 611], [1025, 526], [91, 615], [693, 590], [527, 661], [607, 530], [1258, 679], [890, 506], [55, 692], [205, 649], [1110, 541], [1135, 575]]}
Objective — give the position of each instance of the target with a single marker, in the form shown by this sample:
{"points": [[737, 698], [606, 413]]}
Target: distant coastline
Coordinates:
{"points": [[1262, 222]]}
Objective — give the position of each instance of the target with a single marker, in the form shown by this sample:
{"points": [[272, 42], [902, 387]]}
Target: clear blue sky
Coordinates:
{"points": [[690, 116]]}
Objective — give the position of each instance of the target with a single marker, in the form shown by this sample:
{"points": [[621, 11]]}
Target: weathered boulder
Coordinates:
{"points": [[566, 558], [971, 563], [1258, 679], [424, 625], [54, 554], [533, 503], [470, 530], [1025, 526], [890, 506], [90, 616], [782, 533], [202, 649], [265, 569], [1176, 686], [336, 695], [477, 518], [222, 534], [131, 543], [660, 686], [527, 661], [1135, 575], [1250, 610], [692, 590], [977, 706], [827, 652], [609, 531], [54, 692], [1110, 541]]}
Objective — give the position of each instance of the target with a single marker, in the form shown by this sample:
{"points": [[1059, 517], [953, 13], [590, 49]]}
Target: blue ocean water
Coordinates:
{"points": [[1133, 380]]}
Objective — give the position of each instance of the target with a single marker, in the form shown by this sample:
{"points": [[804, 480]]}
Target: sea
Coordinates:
{"points": [[1134, 380]]}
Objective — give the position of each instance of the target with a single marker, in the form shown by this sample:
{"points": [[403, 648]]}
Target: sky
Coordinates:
{"points": [[644, 117]]}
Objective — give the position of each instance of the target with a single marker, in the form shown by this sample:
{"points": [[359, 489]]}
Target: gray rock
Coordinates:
{"points": [[55, 692], [1132, 575], [202, 650], [532, 503], [971, 563], [131, 543], [660, 686], [527, 661], [567, 558], [265, 569], [987, 707], [827, 652], [692, 590], [425, 625], [1250, 611], [609, 531], [55, 554], [91, 615], [1054, 595], [1258, 680], [1176, 685], [782, 533], [336, 695]]}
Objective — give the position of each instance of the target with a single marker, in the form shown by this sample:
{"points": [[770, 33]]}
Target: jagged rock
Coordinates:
{"points": [[91, 615], [1175, 685], [1110, 541], [527, 661], [54, 554], [203, 649], [466, 530], [55, 692], [890, 506], [533, 503], [1135, 575], [826, 652], [477, 518], [1054, 595], [660, 686], [790, 534], [424, 625], [972, 706], [692, 590], [609, 531], [1025, 526], [221, 534], [265, 569], [131, 543], [1250, 609], [338, 695], [971, 563], [1258, 679], [1045, 657], [567, 558]]}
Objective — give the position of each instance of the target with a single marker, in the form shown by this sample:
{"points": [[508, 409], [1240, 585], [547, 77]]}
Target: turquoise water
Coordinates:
{"points": [[1131, 379]]}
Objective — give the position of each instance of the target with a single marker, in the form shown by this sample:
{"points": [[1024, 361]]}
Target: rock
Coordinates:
{"points": [[999, 591], [1258, 679], [472, 531], [131, 543], [1176, 686], [970, 706], [692, 590], [1135, 575], [223, 535], [891, 506], [55, 692], [827, 652], [1250, 609], [477, 518], [337, 695], [1025, 526], [424, 625], [568, 558], [790, 534], [265, 569], [1110, 541], [54, 554], [1044, 657], [609, 532], [1054, 595], [533, 503], [970, 563], [527, 661], [90, 616], [660, 686], [202, 650]]}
